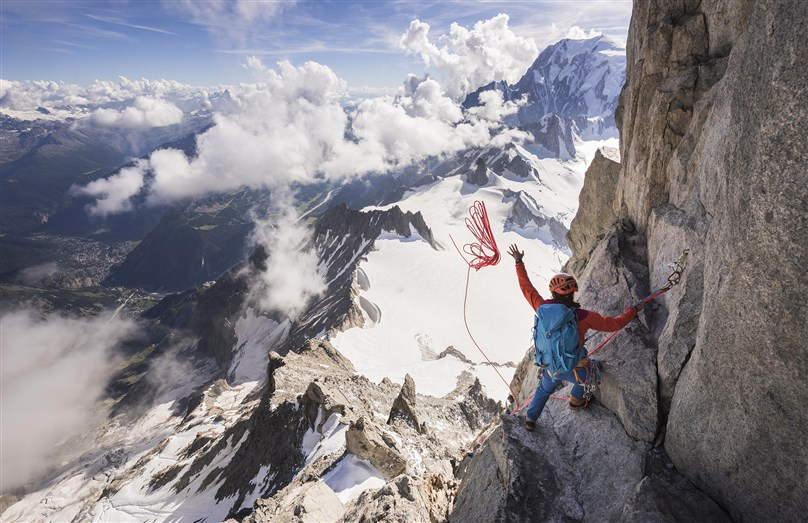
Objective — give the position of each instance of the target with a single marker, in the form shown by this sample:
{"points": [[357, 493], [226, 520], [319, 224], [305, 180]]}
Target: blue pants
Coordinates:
{"points": [[550, 383]]}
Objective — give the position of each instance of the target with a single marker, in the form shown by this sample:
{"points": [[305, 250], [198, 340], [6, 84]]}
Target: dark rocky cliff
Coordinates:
{"points": [[713, 148], [713, 160]]}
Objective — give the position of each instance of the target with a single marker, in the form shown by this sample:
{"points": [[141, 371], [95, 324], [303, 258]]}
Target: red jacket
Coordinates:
{"points": [[586, 319]]}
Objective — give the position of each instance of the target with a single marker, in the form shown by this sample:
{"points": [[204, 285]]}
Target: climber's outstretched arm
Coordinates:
{"points": [[595, 321], [528, 290]]}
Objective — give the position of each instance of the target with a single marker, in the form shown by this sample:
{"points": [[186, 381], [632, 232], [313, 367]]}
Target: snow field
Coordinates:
{"points": [[413, 296], [351, 477], [257, 335]]}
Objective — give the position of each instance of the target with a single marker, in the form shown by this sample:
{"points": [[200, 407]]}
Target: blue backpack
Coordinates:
{"points": [[555, 335]]}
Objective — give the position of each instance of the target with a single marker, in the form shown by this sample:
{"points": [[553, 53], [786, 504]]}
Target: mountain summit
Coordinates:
{"points": [[572, 87]]}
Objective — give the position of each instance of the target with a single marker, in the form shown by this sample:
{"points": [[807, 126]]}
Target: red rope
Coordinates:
{"points": [[484, 252]]}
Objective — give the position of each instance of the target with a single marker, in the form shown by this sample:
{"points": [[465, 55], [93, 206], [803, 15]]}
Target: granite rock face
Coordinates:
{"points": [[713, 160], [404, 404], [560, 472], [596, 213], [722, 169], [615, 278]]}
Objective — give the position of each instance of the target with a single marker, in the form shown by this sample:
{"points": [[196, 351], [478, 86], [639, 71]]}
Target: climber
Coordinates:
{"points": [[562, 288]]}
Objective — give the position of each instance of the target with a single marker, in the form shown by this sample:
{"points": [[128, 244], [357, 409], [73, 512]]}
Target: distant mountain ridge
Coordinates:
{"points": [[572, 87]]}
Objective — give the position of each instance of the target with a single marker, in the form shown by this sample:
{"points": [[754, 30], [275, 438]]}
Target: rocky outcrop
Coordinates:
{"points": [[451, 351], [316, 397], [367, 441], [420, 499], [713, 160], [478, 175], [527, 217], [596, 213], [312, 502], [560, 473], [404, 405]]}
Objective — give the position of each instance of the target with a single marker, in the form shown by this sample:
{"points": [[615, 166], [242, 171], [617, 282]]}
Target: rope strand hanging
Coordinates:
{"points": [[484, 252]]}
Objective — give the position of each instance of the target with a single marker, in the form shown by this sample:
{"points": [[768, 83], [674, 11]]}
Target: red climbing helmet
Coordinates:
{"points": [[563, 284]]}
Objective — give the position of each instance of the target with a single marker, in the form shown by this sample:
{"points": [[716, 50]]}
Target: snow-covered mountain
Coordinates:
{"points": [[363, 403], [374, 404], [235, 406], [570, 90]]}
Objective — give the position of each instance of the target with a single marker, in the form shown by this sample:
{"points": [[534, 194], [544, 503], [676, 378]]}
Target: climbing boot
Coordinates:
{"points": [[576, 404], [530, 424]]}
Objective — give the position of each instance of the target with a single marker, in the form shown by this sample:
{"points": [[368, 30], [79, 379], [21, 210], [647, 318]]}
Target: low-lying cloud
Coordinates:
{"points": [[144, 113], [37, 274], [467, 59], [81, 100], [51, 377], [113, 195], [292, 276], [291, 127]]}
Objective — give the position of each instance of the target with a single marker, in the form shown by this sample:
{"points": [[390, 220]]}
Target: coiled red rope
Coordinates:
{"points": [[484, 253]]}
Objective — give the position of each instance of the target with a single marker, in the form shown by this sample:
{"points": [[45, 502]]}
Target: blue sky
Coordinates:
{"points": [[206, 43]]}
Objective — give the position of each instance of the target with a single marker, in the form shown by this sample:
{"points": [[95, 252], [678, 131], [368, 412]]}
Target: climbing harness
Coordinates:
{"points": [[593, 376], [591, 385]]}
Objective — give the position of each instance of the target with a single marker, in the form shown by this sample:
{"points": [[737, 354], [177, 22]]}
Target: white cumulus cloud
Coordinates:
{"points": [[144, 113], [113, 194], [493, 106], [291, 128], [466, 60], [279, 132]]}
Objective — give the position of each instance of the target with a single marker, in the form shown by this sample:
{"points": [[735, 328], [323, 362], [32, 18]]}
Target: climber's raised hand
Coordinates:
{"points": [[513, 250]]}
